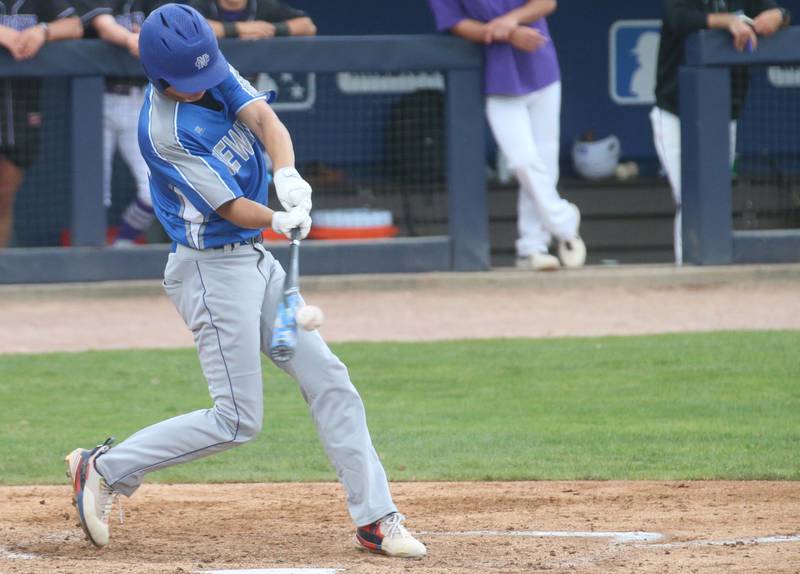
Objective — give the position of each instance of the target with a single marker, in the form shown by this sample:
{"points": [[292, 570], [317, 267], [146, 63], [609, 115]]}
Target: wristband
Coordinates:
{"points": [[230, 29], [282, 29], [787, 17], [742, 17], [46, 28]]}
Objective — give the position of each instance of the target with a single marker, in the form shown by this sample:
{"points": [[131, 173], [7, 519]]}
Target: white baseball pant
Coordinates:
{"points": [[228, 297], [667, 139], [120, 130], [527, 130]]}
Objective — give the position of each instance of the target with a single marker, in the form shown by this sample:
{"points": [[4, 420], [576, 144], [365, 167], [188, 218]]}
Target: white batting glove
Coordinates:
{"points": [[285, 221], [293, 190]]}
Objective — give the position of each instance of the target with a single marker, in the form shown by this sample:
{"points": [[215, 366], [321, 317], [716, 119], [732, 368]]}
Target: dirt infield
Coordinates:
{"points": [[519, 527], [472, 527], [589, 302]]}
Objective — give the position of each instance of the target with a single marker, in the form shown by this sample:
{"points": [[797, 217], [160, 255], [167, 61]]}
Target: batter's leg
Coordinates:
{"points": [[336, 408], [219, 295]]}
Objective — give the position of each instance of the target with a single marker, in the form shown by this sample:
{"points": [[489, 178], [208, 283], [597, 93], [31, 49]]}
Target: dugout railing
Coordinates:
{"points": [[705, 95], [85, 63]]}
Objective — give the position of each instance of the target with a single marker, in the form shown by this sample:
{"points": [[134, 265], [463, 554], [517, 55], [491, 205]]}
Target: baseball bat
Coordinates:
{"points": [[284, 330]]}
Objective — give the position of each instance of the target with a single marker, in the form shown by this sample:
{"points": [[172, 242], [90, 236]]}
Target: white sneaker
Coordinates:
{"points": [[92, 496], [573, 251], [538, 262], [124, 244], [389, 536]]}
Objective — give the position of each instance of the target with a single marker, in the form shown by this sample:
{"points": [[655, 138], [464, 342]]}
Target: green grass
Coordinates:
{"points": [[698, 406]]}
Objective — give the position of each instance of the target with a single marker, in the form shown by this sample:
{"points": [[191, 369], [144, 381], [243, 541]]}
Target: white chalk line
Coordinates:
{"points": [[274, 571], [777, 539], [620, 537], [11, 555]]}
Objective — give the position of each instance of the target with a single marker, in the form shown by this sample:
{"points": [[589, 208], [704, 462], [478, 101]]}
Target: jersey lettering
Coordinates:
{"points": [[239, 140]]}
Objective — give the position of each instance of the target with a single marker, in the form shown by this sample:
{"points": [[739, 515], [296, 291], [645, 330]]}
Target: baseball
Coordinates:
{"points": [[310, 317]]}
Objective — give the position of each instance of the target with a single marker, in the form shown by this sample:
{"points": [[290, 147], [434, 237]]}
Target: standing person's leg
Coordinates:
{"points": [[219, 294], [508, 119], [21, 124], [667, 139], [11, 178], [139, 215], [110, 134], [561, 217], [341, 422]]}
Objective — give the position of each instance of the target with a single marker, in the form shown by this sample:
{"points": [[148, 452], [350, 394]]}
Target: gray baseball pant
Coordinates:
{"points": [[228, 297]]}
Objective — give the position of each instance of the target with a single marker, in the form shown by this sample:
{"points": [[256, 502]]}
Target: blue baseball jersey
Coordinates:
{"points": [[200, 157]]}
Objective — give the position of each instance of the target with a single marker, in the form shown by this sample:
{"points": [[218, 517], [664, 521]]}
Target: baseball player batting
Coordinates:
{"points": [[202, 131]]}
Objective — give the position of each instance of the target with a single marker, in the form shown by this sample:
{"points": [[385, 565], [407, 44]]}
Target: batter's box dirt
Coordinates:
{"points": [[516, 527]]}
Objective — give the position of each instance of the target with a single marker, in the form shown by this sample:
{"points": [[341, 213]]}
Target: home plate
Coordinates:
{"points": [[275, 571]]}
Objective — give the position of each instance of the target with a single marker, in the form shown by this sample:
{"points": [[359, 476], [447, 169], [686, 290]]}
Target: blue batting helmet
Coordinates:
{"points": [[178, 47]]}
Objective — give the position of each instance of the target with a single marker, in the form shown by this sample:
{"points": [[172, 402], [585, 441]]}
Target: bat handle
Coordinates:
{"points": [[294, 258]]}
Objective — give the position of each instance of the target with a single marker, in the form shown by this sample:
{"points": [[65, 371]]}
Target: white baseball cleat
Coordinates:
{"points": [[389, 536], [538, 262], [91, 494]]}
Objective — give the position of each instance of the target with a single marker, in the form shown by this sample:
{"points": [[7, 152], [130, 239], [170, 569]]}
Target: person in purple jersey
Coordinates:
{"points": [[523, 104], [25, 26]]}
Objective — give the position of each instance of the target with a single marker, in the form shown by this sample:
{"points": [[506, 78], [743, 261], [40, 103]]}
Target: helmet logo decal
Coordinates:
{"points": [[202, 61]]}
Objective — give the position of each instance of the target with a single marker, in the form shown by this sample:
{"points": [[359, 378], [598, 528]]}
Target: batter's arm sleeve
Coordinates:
{"points": [[239, 93]]}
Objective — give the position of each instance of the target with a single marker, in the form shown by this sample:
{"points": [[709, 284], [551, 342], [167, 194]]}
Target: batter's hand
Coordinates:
{"points": [[293, 190], [285, 221]]}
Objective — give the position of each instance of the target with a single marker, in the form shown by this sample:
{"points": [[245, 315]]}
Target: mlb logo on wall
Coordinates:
{"points": [[632, 62], [296, 92]]}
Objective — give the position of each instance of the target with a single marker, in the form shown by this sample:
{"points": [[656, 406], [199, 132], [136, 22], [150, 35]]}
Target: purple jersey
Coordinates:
{"points": [[509, 71]]}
